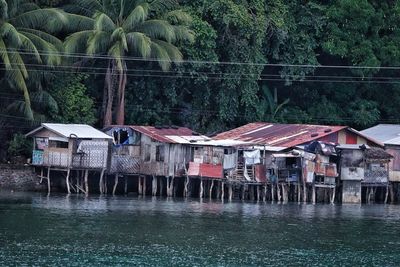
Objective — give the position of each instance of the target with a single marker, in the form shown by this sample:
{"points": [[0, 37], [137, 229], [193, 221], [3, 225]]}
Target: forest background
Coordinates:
{"points": [[219, 63]]}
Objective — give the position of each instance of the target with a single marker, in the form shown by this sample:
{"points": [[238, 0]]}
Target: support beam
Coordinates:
{"points": [[201, 188], [222, 191], [154, 188], [126, 184], [86, 182], [115, 184], [101, 182], [48, 181], [211, 188], [67, 181], [230, 192]]}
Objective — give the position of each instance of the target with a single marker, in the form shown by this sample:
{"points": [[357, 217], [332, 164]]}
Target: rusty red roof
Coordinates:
{"points": [[167, 134], [283, 135]]}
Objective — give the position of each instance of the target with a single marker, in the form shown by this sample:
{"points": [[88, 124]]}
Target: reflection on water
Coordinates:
{"points": [[74, 230]]}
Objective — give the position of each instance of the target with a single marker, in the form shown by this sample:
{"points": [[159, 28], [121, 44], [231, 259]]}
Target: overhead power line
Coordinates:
{"points": [[131, 58]]}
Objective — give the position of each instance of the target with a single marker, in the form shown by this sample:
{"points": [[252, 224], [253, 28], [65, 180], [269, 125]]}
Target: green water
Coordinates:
{"points": [[75, 231]]}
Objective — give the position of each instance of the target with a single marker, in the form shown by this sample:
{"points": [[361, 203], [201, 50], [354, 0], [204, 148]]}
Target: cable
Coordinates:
{"points": [[130, 58]]}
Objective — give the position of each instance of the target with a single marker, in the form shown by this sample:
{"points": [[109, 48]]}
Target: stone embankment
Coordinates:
{"points": [[19, 178]]}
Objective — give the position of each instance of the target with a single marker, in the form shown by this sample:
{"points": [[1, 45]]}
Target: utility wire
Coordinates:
{"points": [[130, 58]]}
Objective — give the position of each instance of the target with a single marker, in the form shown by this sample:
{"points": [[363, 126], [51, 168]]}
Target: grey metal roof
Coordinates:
{"points": [[389, 134], [72, 130]]}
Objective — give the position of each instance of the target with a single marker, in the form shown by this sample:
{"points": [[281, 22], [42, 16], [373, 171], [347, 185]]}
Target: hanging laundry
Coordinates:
{"points": [[229, 161], [252, 157]]}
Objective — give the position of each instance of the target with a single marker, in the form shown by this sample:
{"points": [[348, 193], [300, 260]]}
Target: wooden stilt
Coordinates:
{"points": [[258, 193], [386, 194], [218, 189], [314, 194], [126, 184], [173, 187], [115, 184], [48, 181], [211, 189], [201, 188], [140, 187], [272, 192], [222, 190], [298, 193], [185, 188], [144, 185], [265, 193], [67, 181], [86, 182], [333, 195], [154, 188], [278, 191], [101, 182], [161, 186], [391, 193], [243, 191], [251, 192], [41, 175], [230, 191], [105, 188]]}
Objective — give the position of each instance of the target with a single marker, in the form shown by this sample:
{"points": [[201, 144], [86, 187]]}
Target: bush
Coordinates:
{"points": [[19, 146]]}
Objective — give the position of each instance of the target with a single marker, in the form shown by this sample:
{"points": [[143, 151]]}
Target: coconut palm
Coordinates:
{"points": [[25, 38], [145, 29]]}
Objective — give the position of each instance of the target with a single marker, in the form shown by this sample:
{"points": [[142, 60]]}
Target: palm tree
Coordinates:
{"points": [[25, 38], [145, 29]]}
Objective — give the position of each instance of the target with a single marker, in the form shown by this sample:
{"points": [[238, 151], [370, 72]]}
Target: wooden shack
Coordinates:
{"points": [[67, 147], [154, 151]]}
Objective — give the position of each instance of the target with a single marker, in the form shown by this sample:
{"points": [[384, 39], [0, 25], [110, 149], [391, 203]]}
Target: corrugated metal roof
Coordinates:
{"points": [[72, 130], [170, 134], [221, 143], [282, 135], [388, 134]]}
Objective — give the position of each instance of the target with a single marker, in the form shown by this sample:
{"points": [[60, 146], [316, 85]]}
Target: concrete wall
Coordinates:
{"points": [[351, 192], [19, 178]]}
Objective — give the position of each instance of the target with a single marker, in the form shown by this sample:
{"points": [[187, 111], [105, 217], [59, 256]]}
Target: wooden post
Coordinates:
{"points": [[391, 193], [172, 187], [230, 192], [105, 188], [265, 193], [185, 188], [298, 192], [222, 191], [258, 193], [41, 175], [161, 186], [386, 194], [144, 185], [115, 184], [314, 194], [333, 195], [218, 190], [101, 182], [272, 192], [125, 184], [86, 182], [278, 190], [67, 181], [154, 186], [201, 188], [48, 180], [211, 188]]}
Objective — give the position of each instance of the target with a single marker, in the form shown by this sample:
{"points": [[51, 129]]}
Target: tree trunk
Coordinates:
{"points": [[120, 117], [109, 80]]}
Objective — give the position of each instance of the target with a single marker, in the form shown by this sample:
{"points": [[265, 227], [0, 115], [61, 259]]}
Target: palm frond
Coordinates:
{"points": [[20, 107], [139, 44], [17, 63], [178, 17], [77, 42], [29, 47], [49, 51], [44, 100], [4, 54], [78, 23], [49, 19], [85, 8], [25, 7], [98, 43], [158, 29], [182, 33], [160, 53], [118, 35], [103, 22], [11, 35], [136, 17], [45, 36], [173, 52]]}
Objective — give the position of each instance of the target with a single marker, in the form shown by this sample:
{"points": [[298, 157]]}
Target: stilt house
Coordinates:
{"points": [[69, 146], [147, 150]]}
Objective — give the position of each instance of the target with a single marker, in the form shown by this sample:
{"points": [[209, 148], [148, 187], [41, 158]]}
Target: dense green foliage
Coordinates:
{"points": [[250, 60]]}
